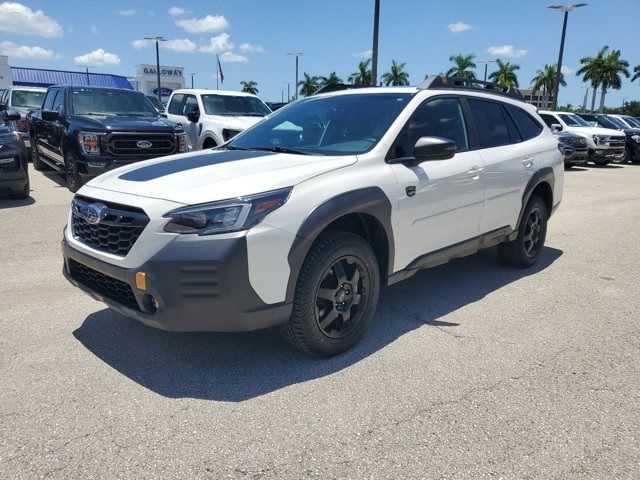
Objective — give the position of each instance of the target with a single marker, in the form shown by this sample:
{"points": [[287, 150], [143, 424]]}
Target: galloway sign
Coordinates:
{"points": [[151, 70]]}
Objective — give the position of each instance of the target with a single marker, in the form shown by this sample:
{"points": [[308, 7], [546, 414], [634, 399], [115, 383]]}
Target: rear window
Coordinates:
{"points": [[490, 123], [527, 126], [26, 98]]}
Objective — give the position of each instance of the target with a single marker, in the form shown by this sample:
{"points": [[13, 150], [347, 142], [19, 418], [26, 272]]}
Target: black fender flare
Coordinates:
{"points": [[544, 175], [371, 201]]}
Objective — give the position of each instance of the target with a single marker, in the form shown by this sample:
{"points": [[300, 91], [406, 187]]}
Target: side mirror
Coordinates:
{"points": [[193, 116], [556, 127], [434, 148], [50, 115], [12, 115]]}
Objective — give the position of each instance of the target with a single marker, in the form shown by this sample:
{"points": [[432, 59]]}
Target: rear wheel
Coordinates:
{"points": [[209, 143], [336, 295], [24, 194], [74, 180], [38, 164], [524, 251]]}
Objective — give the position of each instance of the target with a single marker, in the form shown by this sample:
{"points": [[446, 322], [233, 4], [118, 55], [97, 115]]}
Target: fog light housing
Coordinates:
{"points": [[141, 281]]}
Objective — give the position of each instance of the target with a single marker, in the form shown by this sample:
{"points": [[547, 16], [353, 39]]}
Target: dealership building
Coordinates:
{"points": [[146, 80]]}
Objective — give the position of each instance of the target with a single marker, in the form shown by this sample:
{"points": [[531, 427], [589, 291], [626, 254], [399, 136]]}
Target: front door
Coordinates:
{"points": [[440, 201]]}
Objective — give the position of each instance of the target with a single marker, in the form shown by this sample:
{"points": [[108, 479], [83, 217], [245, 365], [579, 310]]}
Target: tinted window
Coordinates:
{"points": [[490, 123], [190, 104], [549, 119], [436, 118], [48, 100], [26, 98], [58, 102], [88, 101], [234, 105], [175, 107], [634, 122], [527, 126], [573, 120]]}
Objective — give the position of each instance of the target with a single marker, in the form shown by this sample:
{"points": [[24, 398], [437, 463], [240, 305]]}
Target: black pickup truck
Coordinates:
{"points": [[85, 131]]}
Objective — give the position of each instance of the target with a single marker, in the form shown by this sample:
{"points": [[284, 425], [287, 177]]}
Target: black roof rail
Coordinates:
{"points": [[434, 82], [337, 87]]}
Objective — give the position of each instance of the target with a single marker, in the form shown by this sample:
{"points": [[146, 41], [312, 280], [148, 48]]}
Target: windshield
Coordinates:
{"points": [[156, 103], [26, 98], [335, 125], [573, 120], [613, 122], [237, 106], [125, 103], [632, 121]]}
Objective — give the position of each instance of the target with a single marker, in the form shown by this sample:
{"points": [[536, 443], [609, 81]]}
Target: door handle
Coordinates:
{"points": [[475, 172], [527, 162]]}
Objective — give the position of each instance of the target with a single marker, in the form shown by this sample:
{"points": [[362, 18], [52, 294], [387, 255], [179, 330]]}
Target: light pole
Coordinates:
{"points": [[486, 64], [157, 40], [565, 9], [374, 50], [192, 75], [288, 91], [297, 55]]}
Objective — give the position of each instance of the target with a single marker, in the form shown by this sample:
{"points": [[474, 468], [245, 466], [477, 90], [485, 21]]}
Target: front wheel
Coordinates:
{"points": [[74, 180], [524, 251], [335, 297], [38, 164]]}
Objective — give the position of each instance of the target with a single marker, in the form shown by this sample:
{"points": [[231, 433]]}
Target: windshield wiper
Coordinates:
{"points": [[278, 149], [232, 147], [101, 114]]}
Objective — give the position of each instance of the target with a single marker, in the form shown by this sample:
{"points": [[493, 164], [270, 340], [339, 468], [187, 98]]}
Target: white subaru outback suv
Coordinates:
{"points": [[213, 117], [300, 220]]}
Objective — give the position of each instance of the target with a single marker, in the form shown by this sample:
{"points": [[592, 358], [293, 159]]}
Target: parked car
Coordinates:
{"points": [[14, 171], [213, 117], [85, 131], [300, 220], [632, 145], [605, 145], [157, 104], [628, 120], [574, 147], [21, 99]]}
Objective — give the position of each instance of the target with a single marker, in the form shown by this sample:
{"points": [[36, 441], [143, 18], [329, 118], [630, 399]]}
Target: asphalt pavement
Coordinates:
{"points": [[471, 369]]}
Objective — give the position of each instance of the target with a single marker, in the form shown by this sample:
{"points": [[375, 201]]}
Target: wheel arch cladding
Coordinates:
{"points": [[541, 184], [365, 212]]}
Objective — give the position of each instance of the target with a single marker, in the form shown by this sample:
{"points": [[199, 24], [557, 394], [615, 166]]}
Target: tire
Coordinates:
{"points": [[627, 155], [335, 297], [524, 251], [38, 164], [74, 180], [24, 194], [209, 143], [622, 159]]}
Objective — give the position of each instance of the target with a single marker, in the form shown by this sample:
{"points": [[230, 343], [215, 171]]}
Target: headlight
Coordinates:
{"points": [[636, 138], [9, 137], [182, 142], [226, 215], [89, 142], [228, 134]]}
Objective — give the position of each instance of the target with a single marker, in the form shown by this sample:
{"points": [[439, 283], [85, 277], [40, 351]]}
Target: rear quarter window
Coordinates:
{"points": [[526, 124]]}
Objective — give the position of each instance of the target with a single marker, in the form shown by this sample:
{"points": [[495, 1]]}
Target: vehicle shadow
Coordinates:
{"points": [[57, 177], [8, 202], [236, 367]]}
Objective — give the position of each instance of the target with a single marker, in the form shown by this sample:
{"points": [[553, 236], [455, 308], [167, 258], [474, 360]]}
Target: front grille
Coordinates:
{"points": [[126, 144], [110, 287], [576, 142], [117, 229], [617, 142]]}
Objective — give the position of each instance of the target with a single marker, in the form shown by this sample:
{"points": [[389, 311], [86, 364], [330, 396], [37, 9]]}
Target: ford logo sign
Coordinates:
{"points": [[143, 144], [94, 213]]}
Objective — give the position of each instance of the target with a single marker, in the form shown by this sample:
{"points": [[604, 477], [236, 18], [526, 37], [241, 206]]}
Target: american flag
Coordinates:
{"points": [[220, 72]]}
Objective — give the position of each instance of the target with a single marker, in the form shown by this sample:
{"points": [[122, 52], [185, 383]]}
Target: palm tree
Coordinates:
{"points": [[636, 73], [363, 75], [612, 68], [396, 76], [250, 87], [309, 85], [506, 74], [590, 69], [463, 65], [332, 79], [545, 80]]}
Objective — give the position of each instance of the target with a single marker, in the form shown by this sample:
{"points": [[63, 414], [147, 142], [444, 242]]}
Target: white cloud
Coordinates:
{"points": [[458, 27], [219, 44], [233, 57], [210, 23], [179, 45], [94, 29], [141, 43], [506, 51], [18, 18], [127, 13], [23, 51], [249, 48], [365, 54], [97, 58], [177, 11], [567, 70]]}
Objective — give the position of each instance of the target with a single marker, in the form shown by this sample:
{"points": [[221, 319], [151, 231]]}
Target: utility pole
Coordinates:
{"points": [[87, 70], [565, 9], [288, 91], [157, 40], [192, 75], [486, 64], [586, 94], [297, 55], [374, 50]]}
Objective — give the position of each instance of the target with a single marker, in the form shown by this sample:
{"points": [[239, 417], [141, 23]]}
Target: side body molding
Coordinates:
{"points": [[370, 201]]}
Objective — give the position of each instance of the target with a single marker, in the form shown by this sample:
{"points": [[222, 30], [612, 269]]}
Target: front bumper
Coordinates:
{"points": [[190, 286], [94, 166], [578, 156], [14, 173], [600, 154]]}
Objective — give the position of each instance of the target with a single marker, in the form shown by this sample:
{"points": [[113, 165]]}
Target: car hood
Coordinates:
{"points": [[594, 131], [233, 123], [124, 123], [206, 176]]}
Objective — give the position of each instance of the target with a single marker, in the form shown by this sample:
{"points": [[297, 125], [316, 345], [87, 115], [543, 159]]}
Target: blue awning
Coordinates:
{"points": [[37, 77]]}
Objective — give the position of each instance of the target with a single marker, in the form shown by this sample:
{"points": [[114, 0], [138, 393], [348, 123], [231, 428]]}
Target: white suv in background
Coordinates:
{"points": [[605, 145], [213, 117], [300, 220]]}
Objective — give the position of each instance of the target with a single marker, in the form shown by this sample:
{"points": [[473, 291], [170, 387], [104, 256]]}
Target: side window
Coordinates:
{"points": [[441, 117], [514, 133], [47, 104], [549, 119], [528, 127], [490, 123], [175, 106], [190, 104], [58, 102]]}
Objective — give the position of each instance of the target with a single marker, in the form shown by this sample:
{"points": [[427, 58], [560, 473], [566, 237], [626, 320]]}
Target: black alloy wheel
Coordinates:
{"points": [[532, 232]]}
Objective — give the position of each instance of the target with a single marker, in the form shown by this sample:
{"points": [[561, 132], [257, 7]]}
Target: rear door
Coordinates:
{"points": [[44, 129], [58, 128], [192, 128]]}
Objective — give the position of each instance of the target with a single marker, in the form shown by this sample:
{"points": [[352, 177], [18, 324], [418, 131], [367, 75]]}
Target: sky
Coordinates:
{"points": [[253, 37]]}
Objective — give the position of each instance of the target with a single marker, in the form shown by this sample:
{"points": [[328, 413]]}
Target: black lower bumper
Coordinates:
{"points": [[190, 286], [14, 173], [92, 167], [605, 154], [577, 157]]}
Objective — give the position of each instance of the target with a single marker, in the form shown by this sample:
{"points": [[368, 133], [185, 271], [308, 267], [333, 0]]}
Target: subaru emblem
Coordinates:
{"points": [[94, 213], [143, 144]]}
